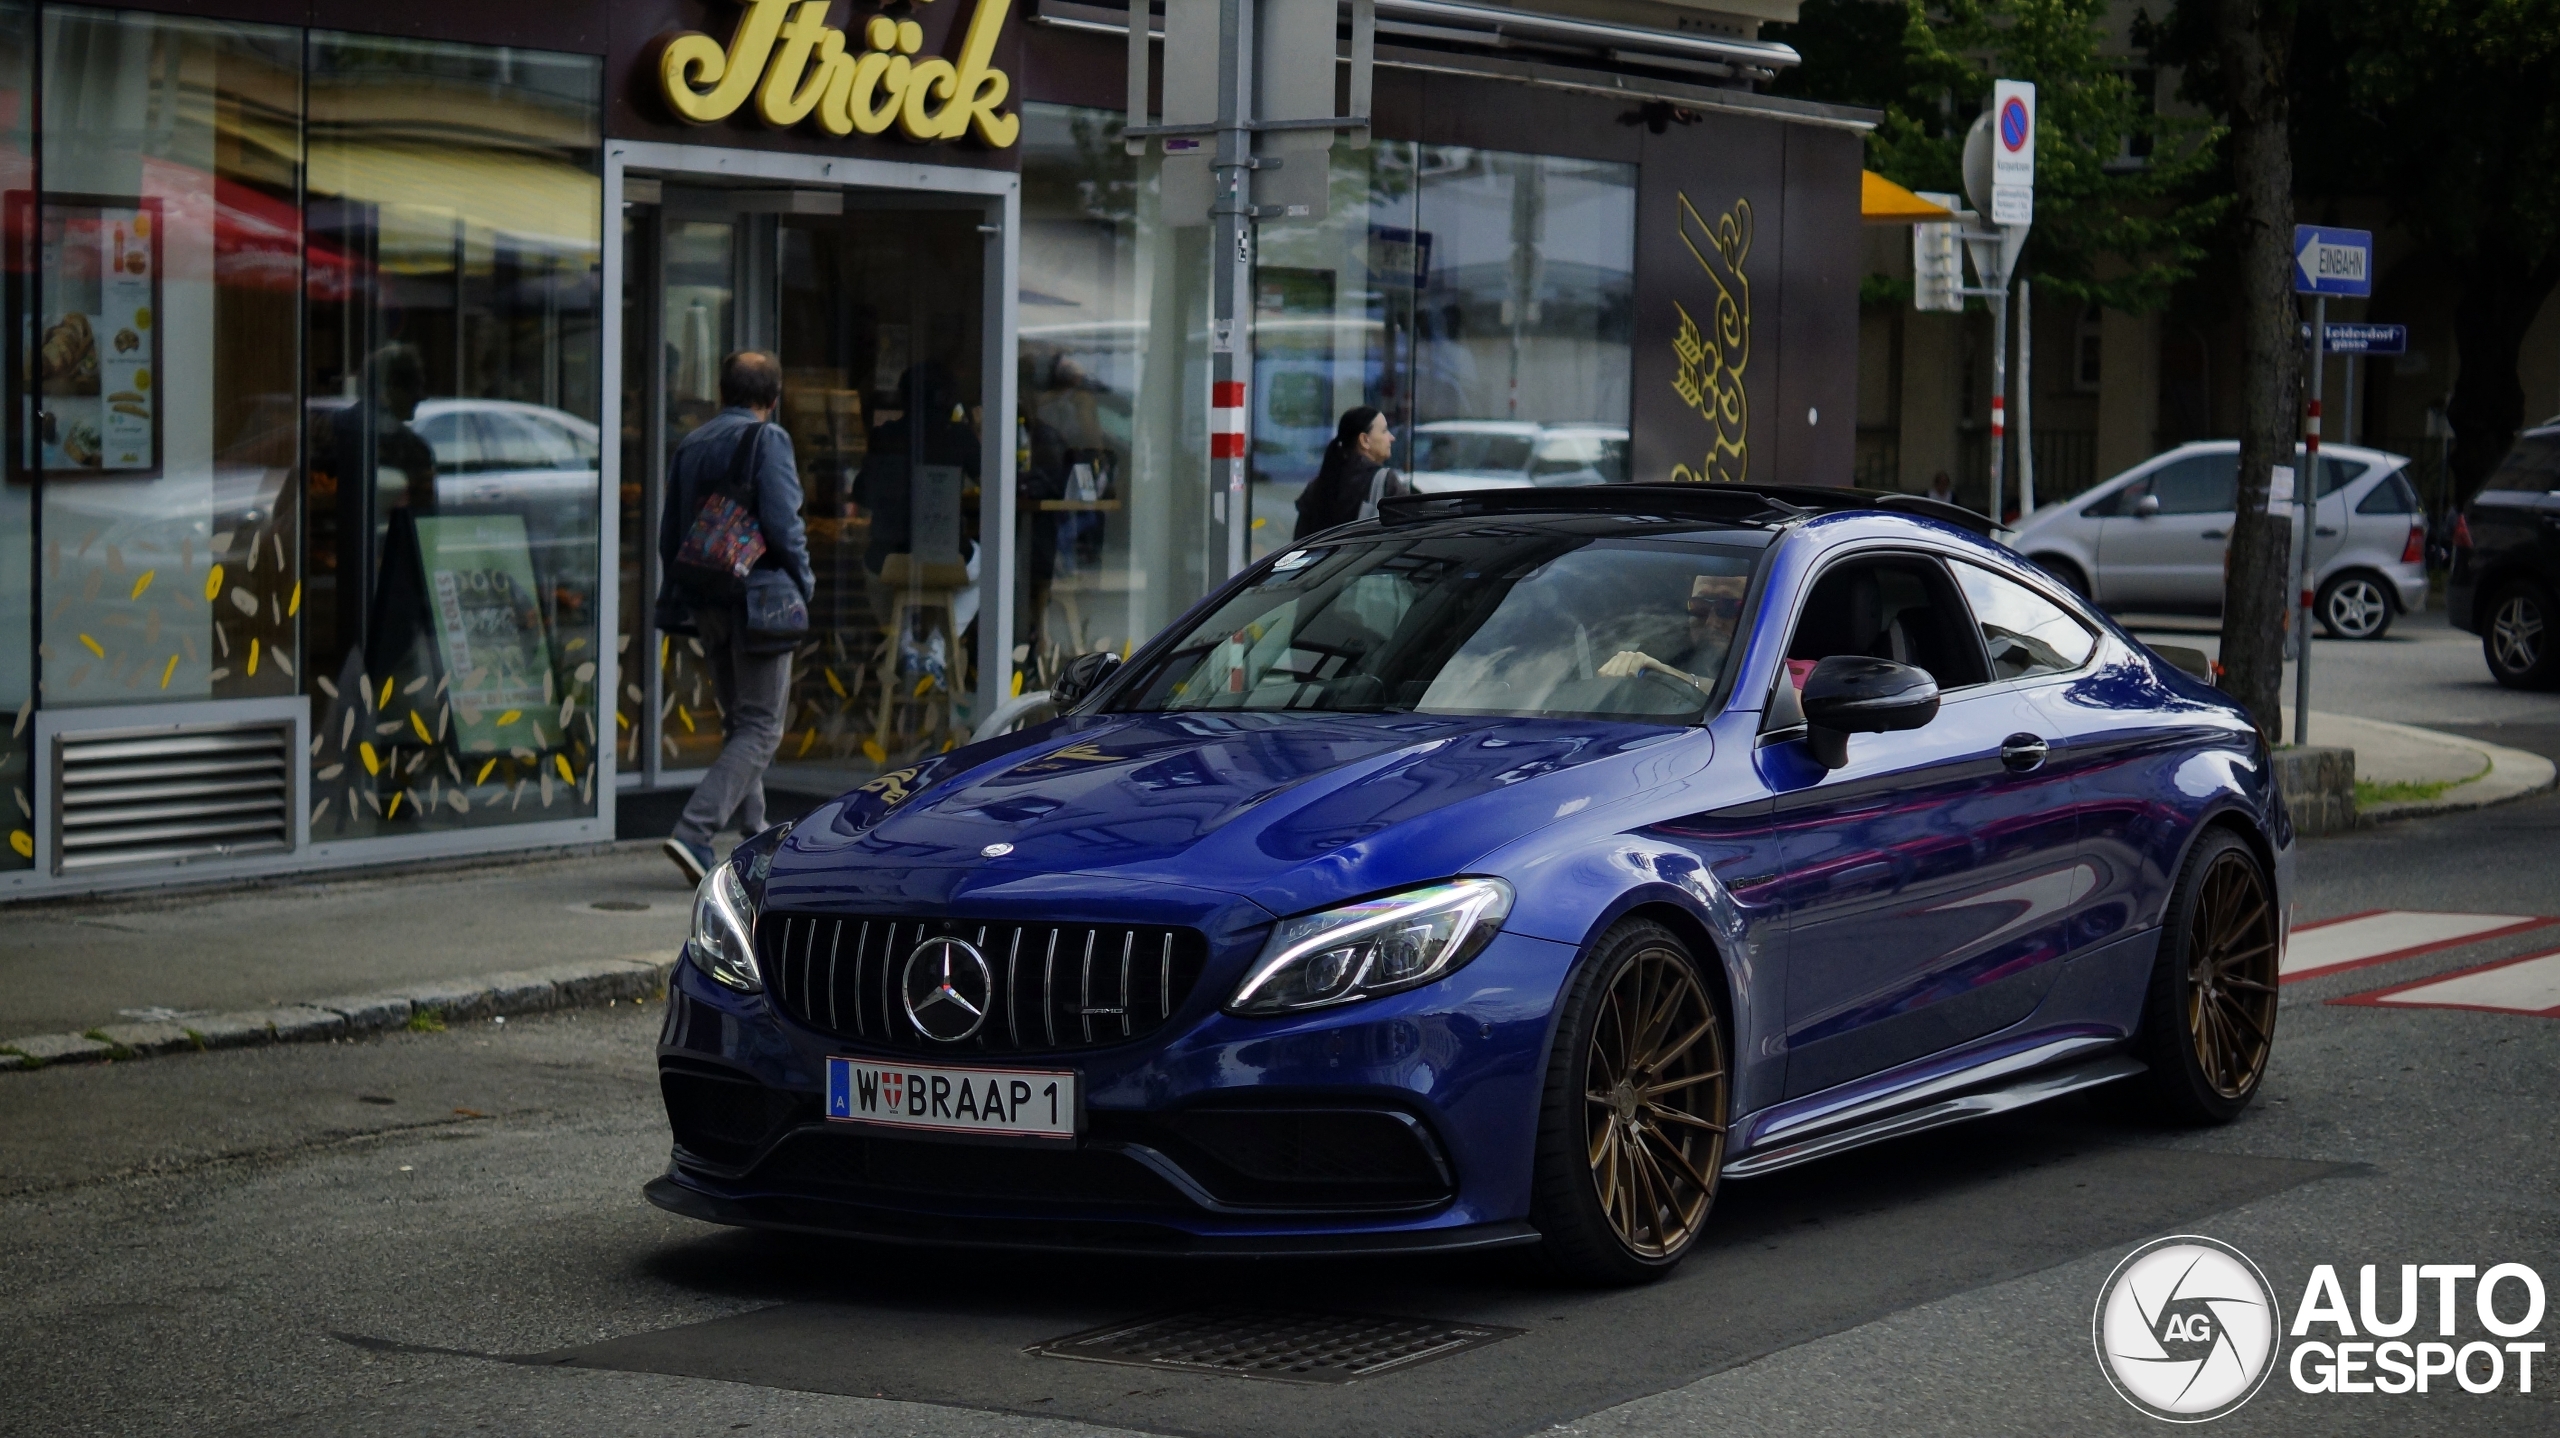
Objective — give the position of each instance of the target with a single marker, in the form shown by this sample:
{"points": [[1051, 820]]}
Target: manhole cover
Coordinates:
{"points": [[1261, 1343], [620, 906]]}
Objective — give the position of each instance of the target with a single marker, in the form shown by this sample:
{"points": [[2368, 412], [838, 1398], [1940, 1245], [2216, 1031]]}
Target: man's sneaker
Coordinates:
{"points": [[695, 859]]}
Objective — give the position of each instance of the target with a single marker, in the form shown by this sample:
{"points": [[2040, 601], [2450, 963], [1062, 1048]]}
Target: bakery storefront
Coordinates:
{"points": [[349, 365]]}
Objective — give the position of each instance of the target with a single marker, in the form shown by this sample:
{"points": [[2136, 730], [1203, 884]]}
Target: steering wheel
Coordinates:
{"points": [[1690, 694]]}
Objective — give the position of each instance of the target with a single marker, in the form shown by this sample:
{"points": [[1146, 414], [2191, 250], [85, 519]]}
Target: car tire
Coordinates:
{"points": [[2065, 573], [1626, 1168], [2209, 1017], [2355, 605], [2517, 637]]}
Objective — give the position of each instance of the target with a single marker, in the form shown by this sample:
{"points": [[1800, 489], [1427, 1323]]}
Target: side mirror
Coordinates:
{"points": [[1852, 694], [1083, 675], [2146, 507]]}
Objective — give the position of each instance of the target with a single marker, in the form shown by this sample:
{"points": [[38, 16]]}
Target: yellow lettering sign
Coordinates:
{"points": [[1709, 377], [797, 68]]}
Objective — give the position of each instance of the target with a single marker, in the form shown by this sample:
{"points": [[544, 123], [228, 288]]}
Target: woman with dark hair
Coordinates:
{"points": [[1354, 475]]}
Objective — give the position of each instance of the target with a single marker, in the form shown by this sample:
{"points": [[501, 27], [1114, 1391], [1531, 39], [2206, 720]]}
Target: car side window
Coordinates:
{"points": [[2108, 506], [1897, 607], [2395, 495], [2198, 484], [2335, 474], [2532, 467], [2023, 632]]}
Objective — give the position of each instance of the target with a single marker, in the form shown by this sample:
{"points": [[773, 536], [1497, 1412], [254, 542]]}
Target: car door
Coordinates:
{"points": [[2332, 521], [1910, 878], [2172, 556]]}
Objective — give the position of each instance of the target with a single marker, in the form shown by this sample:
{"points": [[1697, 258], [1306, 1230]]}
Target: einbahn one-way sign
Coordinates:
{"points": [[2332, 262]]}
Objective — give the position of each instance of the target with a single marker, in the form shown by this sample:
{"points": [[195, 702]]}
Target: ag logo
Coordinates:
{"points": [[2186, 1328]]}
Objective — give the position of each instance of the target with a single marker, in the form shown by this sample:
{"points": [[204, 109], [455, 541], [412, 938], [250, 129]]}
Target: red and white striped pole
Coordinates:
{"points": [[1226, 419], [1226, 456], [2306, 493]]}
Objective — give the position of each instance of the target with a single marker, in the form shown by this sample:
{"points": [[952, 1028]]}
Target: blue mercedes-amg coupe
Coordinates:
{"points": [[1513, 868]]}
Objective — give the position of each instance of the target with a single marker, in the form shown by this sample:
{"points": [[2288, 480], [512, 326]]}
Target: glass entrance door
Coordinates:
{"points": [[881, 345], [877, 316]]}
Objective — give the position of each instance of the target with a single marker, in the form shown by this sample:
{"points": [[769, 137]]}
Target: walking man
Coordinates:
{"points": [[752, 686]]}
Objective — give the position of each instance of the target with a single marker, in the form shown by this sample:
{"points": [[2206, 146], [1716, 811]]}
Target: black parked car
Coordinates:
{"points": [[2506, 564]]}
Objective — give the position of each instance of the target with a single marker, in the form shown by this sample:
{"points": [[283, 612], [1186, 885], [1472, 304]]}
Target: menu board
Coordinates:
{"points": [[489, 630], [95, 336]]}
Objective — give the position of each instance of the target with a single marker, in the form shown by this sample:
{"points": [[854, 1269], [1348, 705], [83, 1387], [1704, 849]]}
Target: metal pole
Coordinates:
{"points": [[1999, 401], [1230, 260], [2347, 420], [2026, 399], [2305, 485]]}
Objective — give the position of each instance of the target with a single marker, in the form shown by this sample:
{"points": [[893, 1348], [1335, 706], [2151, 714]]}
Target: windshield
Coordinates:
{"points": [[1511, 621]]}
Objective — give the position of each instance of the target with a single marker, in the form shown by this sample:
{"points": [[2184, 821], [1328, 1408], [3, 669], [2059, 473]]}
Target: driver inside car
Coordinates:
{"points": [[1715, 608]]}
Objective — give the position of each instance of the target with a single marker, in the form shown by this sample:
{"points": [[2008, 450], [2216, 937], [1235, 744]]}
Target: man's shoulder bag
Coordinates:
{"points": [[724, 541]]}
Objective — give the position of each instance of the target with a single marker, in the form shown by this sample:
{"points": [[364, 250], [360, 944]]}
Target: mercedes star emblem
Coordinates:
{"points": [[948, 989], [995, 851]]}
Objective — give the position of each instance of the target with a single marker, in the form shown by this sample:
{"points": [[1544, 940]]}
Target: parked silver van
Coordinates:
{"points": [[2154, 536]]}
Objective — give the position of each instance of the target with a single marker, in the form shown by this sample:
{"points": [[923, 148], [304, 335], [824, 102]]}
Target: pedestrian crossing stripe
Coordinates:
{"points": [[2382, 936], [2529, 985]]}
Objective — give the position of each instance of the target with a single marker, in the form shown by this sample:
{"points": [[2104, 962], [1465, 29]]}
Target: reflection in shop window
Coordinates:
{"points": [[17, 578], [1483, 300], [450, 345]]}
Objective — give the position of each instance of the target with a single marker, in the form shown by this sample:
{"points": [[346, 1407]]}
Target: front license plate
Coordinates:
{"points": [[1018, 1103]]}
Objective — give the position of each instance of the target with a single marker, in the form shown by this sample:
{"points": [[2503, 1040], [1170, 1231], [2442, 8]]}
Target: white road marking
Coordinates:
{"points": [[2529, 985], [2378, 938]]}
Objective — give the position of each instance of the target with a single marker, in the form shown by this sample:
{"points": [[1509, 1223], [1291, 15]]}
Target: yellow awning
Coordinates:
{"points": [[1882, 202]]}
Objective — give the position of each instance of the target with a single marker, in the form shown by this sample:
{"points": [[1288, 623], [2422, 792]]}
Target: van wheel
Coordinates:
{"points": [[2354, 606], [2064, 572], [2518, 640]]}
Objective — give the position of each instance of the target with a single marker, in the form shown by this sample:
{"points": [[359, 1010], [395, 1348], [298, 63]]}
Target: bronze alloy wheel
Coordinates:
{"points": [[2231, 975], [1654, 1103]]}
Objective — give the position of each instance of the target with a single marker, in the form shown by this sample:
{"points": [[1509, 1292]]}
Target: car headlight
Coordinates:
{"points": [[724, 929], [1376, 946]]}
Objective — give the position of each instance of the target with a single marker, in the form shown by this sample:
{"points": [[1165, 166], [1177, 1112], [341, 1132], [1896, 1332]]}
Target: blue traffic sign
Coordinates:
{"points": [[2332, 262], [2347, 339]]}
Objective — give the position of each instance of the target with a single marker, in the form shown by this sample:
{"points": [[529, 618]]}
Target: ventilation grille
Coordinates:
{"points": [[201, 793]]}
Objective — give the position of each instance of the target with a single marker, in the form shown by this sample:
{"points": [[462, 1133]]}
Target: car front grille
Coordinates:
{"points": [[1054, 986]]}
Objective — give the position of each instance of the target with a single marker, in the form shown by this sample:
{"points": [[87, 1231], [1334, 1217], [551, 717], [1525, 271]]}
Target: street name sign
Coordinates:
{"points": [[2356, 339], [2332, 262]]}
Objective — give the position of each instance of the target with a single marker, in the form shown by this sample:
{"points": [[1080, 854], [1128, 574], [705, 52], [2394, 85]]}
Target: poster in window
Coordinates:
{"points": [[489, 631], [91, 335]]}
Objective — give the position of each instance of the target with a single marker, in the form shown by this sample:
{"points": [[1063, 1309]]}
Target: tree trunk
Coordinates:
{"points": [[2502, 290], [2256, 41]]}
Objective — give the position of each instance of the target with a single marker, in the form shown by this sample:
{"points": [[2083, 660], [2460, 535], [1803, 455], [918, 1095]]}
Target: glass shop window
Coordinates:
{"points": [[451, 380], [158, 403], [17, 506]]}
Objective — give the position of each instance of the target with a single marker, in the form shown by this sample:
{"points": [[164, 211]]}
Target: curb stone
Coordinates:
{"points": [[553, 986]]}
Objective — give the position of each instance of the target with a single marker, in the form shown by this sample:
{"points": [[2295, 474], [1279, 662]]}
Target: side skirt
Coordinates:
{"points": [[2033, 1089]]}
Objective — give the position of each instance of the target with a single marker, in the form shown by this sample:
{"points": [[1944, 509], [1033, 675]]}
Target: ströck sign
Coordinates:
{"points": [[797, 67]]}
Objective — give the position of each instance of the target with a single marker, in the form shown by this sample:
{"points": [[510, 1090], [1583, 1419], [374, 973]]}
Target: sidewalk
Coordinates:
{"points": [[74, 965], [2403, 771]]}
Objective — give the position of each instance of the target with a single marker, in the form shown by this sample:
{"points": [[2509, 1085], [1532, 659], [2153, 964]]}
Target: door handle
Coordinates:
{"points": [[2215, 534], [2325, 533], [2023, 752]]}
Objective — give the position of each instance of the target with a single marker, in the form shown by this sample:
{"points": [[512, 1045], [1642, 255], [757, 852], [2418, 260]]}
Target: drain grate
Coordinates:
{"points": [[1291, 1347]]}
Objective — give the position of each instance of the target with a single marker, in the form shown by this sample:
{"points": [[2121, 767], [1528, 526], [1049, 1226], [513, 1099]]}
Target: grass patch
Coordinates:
{"points": [[195, 1038], [2406, 791], [115, 1051], [427, 1021], [25, 1059]]}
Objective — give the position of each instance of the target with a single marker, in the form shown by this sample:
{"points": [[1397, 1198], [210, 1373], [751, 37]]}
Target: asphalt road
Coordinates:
{"points": [[431, 1233]]}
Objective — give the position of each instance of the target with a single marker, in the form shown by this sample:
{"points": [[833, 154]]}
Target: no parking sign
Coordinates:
{"points": [[2013, 152]]}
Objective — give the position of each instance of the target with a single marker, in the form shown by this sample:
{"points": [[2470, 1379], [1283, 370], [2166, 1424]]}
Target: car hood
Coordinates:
{"points": [[1291, 811]]}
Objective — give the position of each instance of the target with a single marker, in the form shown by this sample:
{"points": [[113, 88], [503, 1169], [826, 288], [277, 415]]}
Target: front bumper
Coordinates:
{"points": [[1455, 1068]]}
